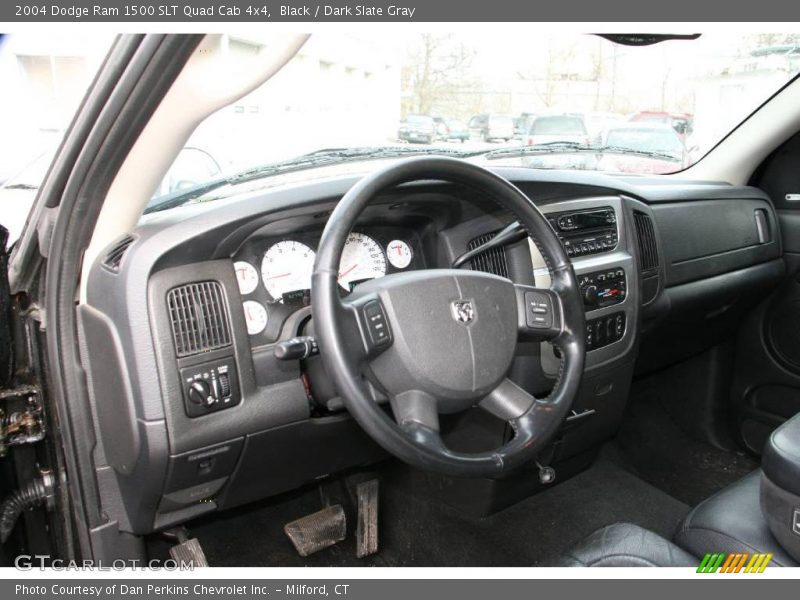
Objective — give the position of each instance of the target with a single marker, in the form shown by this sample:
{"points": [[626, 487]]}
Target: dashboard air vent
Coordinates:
{"points": [[199, 318], [113, 259], [648, 248], [492, 261]]}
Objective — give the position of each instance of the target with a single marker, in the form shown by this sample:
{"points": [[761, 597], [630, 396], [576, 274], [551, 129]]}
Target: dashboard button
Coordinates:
{"points": [[376, 323]]}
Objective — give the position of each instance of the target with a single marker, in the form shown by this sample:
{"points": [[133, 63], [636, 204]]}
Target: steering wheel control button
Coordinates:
{"points": [[605, 330], [538, 310], [297, 348], [210, 387], [377, 325]]}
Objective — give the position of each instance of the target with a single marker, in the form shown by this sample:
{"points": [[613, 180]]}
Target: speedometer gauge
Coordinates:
{"points": [[287, 267], [362, 258]]}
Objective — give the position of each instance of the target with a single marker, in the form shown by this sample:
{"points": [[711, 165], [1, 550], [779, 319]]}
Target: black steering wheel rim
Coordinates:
{"points": [[415, 442]]}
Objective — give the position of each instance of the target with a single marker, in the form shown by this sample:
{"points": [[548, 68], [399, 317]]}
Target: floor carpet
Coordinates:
{"points": [[415, 531], [655, 448]]}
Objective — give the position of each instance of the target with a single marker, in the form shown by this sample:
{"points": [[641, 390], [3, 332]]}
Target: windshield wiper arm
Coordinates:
{"points": [[21, 186], [543, 148], [574, 147], [644, 153], [381, 152]]}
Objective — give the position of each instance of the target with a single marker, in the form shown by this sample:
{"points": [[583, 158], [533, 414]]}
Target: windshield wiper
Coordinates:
{"points": [[573, 148], [644, 153], [21, 186], [382, 152], [543, 148], [318, 158]]}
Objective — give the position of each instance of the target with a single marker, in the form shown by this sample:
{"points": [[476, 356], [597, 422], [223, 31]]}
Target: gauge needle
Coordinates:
{"points": [[281, 275], [343, 273]]}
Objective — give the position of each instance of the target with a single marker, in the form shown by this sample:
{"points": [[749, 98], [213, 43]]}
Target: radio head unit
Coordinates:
{"points": [[585, 232]]}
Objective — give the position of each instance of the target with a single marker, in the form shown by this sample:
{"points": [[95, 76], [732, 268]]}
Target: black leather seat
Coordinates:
{"points": [[730, 521], [626, 545]]}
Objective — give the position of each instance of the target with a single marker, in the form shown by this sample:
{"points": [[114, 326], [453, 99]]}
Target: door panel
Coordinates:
{"points": [[766, 385]]}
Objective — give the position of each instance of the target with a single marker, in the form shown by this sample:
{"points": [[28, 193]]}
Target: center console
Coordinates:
{"points": [[595, 235], [599, 236]]}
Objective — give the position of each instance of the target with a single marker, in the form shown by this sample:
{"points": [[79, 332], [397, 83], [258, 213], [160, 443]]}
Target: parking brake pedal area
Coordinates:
{"points": [[318, 530], [367, 528]]}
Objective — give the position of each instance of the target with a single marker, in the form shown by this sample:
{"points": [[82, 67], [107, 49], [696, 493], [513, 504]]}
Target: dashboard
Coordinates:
{"points": [[197, 411]]}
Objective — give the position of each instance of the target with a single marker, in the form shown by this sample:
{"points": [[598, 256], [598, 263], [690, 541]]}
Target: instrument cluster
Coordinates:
{"points": [[274, 273]]}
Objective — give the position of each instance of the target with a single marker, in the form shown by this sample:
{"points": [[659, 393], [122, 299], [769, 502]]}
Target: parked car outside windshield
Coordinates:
{"points": [[491, 127], [417, 128], [557, 128], [660, 140]]}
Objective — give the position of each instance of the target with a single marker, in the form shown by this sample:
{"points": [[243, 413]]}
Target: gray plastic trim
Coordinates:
{"points": [[259, 409], [621, 257]]}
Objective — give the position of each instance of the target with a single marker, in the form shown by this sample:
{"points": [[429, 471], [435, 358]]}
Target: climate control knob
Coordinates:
{"points": [[200, 393], [590, 295]]}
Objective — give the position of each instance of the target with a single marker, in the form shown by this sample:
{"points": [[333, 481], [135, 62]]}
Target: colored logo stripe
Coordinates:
{"points": [[758, 563], [734, 563], [710, 563]]}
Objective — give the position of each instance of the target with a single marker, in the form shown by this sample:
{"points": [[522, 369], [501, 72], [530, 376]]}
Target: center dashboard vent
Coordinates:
{"points": [[492, 261], [648, 247], [199, 318]]}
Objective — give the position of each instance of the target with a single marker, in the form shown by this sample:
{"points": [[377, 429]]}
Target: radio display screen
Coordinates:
{"points": [[589, 220]]}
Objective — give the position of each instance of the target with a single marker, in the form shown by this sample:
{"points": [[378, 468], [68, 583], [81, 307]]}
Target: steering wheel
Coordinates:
{"points": [[442, 340]]}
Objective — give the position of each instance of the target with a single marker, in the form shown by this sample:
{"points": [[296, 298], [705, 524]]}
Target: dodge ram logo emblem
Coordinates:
{"points": [[463, 311]]}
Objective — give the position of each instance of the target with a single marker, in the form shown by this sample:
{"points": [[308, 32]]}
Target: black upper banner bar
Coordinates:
{"points": [[419, 11]]}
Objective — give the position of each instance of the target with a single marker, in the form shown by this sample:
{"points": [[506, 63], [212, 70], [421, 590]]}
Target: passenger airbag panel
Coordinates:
{"points": [[710, 237]]}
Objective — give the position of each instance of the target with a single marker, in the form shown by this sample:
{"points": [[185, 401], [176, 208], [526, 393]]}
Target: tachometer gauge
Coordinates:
{"points": [[362, 258], [287, 267], [399, 254], [246, 276], [255, 315]]}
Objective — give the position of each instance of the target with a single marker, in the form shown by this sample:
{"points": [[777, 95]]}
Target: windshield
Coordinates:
{"points": [[495, 99], [657, 109], [556, 125], [646, 140]]}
